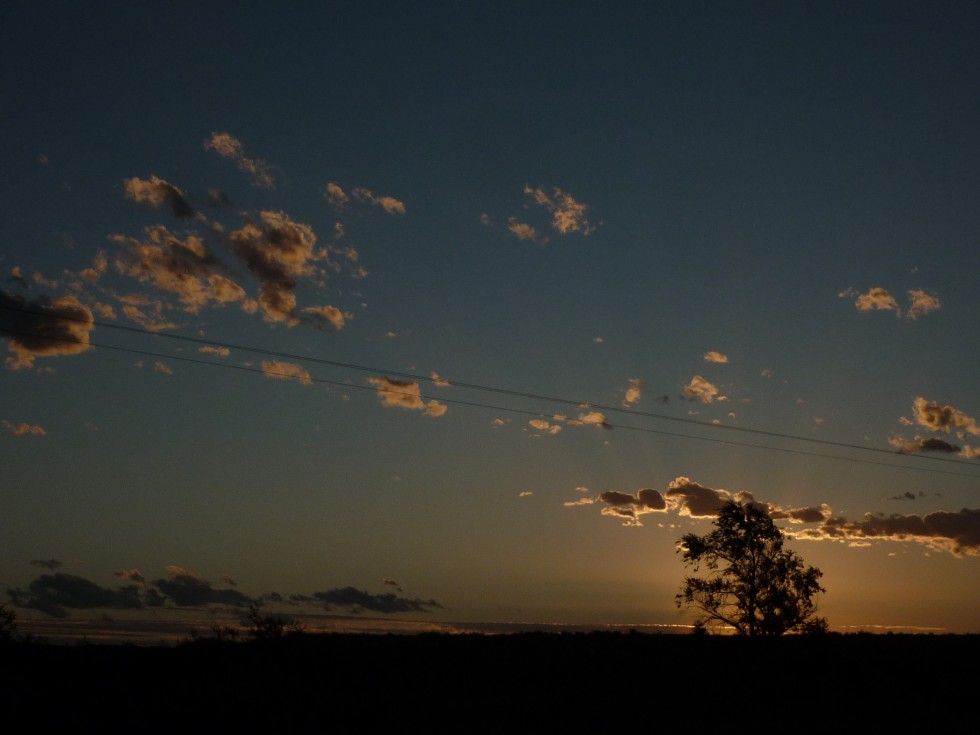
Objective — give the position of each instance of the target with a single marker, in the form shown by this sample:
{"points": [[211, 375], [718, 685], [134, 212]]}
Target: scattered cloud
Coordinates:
{"points": [[356, 601], [388, 204], [523, 231], [436, 380], [286, 371], [219, 351], [188, 590], [155, 192], [544, 426], [715, 357], [43, 327], [230, 147], [634, 392], [879, 299], [594, 418], [334, 194], [626, 506], [525, 494], [919, 444], [405, 394], [567, 214], [702, 390], [24, 429], [941, 418], [46, 563], [162, 367], [56, 594]]}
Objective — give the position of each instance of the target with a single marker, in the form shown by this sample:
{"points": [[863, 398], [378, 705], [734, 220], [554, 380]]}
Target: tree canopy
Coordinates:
{"points": [[752, 584]]}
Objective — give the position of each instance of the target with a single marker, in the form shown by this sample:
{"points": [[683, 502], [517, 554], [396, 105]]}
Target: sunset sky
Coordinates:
{"points": [[469, 311]]}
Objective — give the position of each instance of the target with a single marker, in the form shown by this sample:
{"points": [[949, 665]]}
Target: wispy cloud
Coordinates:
{"points": [[230, 147], [24, 429], [388, 204], [524, 231]]}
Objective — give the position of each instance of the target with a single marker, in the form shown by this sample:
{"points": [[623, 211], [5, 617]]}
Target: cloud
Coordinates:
{"points": [[523, 231], [702, 390], [217, 198], [690, 498], [879, 299], [525, 494], [932, 444], [388, 204], [921, 303], [956, 533], [286, 371], [161, 367], [941, 418], [56, 594], [132, 575], [357, 601], [634, 392], [46, 563], [567, 214], [594, 418], [441, 382], [185, 268], [580, 501], [628, 507], [230, 147], [335, 195], [328, 317], [155, 192], [189, 590], [405, 394], [715, 357], [278, 251], [544, 426], [24, 429], [219, 351], [43, 327]]}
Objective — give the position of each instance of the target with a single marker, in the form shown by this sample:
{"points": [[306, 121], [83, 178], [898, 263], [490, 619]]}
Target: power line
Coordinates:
{"points": [[473, 386]]}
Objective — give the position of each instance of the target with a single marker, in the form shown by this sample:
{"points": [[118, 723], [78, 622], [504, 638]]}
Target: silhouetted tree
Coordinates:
{"points": [[8, 624], [752, 584]]}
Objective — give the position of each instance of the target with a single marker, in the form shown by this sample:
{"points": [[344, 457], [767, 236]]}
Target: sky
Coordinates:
{"points": [[468, 312]]}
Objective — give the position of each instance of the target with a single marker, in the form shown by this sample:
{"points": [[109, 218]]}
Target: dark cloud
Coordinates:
{"points": [[693, 499], [43, 327], [188, 590], [357, 601], [956, 533], [57, 594], [46, 563], [218, 198]]}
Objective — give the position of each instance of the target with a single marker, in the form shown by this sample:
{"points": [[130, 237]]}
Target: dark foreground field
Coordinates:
{"points": [[589, 682]]}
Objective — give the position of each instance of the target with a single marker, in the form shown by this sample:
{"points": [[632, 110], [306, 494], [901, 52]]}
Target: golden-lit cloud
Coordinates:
{"points": [[230, 147], [879, 299], [99, 266], [921, 303], [593, 418], [329, 317], [441, 382], [334, 194], [544, 426], [286, 371], [219, 351], [567, 214], [700, 389], [183, 267], [155, 192], [715, 357], [278, 251], [24, 429], [162, 367], [405, 394], [580, 501], [388, 204], [43, 327], [941, 418], [634, 393], [523, 231]]}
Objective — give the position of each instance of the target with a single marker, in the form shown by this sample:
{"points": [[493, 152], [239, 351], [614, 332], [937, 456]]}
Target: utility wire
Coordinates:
{"points": [[472, 386]]}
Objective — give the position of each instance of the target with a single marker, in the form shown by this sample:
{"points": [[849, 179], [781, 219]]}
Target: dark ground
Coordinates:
{"points": [[519, 683]]}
